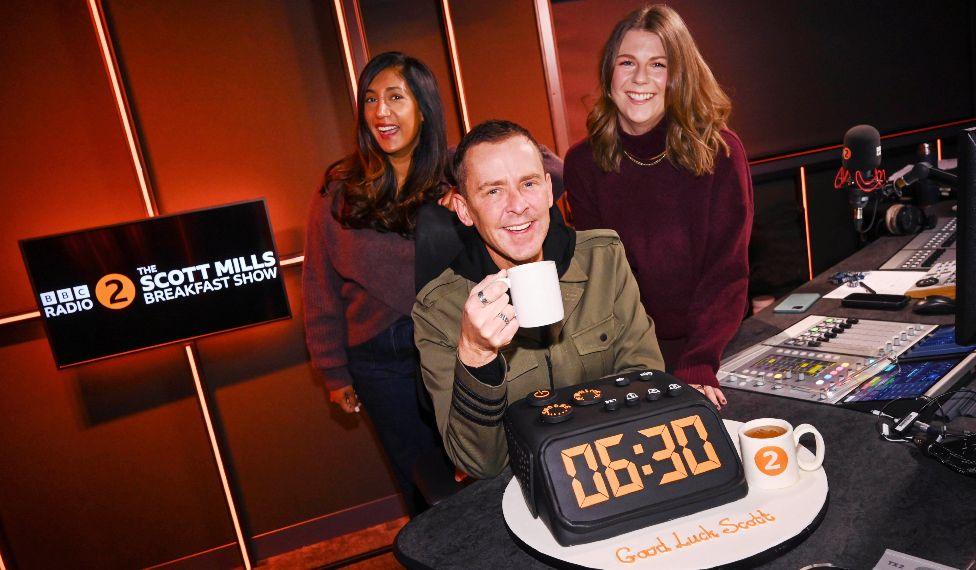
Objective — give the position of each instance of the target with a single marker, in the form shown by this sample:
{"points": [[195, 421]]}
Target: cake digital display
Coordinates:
{"points": [[619, 454], [125, 287]]}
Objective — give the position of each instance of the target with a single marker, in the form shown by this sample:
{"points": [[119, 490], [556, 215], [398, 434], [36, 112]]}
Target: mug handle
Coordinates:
{"points": [[818, 460]]}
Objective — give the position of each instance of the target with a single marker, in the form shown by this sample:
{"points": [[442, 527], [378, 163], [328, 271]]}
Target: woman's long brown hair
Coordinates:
{"points": [[695, 105], [365, 183]]}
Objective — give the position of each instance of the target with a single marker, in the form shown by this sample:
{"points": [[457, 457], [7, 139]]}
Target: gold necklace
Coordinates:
{"points": [[656, 160]]}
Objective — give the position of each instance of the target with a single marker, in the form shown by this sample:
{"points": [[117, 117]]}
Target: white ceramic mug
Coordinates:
{"points": [[534, 289], [771, 462]]}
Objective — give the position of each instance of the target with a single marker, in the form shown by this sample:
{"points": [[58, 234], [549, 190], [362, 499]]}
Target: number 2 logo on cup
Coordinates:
{"points": [[772, 460], [115, 291]]}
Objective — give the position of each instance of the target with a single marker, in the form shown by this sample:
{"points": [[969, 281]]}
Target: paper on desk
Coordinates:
{"points": [[884, 282]]}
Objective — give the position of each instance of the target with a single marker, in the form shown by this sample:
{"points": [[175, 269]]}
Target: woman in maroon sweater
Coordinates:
{"points": [[660, 167], [358, 277]]}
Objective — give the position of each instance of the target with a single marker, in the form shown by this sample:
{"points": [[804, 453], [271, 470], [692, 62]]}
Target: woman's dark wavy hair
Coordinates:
{"points": [[366, 189]]}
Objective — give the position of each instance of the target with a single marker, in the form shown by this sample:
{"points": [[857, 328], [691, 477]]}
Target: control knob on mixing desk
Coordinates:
{"points": [[896, 341], [789, 374], [904, 336]]}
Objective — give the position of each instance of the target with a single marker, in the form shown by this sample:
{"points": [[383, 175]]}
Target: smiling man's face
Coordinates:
{"points": [[507, 195]]}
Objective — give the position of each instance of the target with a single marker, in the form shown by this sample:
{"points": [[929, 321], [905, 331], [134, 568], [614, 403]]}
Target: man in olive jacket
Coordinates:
{"points": [[473, 355]]}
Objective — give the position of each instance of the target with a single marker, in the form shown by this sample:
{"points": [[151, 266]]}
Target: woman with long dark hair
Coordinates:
{"points": [[358, 280], [660, 166]]}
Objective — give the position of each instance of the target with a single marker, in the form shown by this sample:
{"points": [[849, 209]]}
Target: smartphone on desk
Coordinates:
{"points": [[797, 303], [874, 301]]}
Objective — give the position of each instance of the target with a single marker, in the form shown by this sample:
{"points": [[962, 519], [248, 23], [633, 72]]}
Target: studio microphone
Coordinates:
{"points": [[925, 171], [859, 173]]}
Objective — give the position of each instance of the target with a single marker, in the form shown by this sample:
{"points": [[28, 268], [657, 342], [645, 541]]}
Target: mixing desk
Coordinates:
{"points": [[820, 358], [927, 248]]}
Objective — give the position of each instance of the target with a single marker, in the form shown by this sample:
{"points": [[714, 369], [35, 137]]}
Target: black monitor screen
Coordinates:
{"points": [[966, 240], [115, 289]]}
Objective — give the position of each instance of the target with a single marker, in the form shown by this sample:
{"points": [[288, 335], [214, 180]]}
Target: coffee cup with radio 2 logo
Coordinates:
{"points": [[769, 452], [534, 290]]}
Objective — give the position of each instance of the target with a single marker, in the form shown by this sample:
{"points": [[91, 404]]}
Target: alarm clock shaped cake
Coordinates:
{"points": [[620, 453]]}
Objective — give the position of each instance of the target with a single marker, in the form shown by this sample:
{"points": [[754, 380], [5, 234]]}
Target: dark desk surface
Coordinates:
{"points": [[882, 495]]}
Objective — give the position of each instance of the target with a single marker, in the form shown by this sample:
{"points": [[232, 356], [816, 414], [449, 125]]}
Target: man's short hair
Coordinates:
{"points": [[493, 131]]}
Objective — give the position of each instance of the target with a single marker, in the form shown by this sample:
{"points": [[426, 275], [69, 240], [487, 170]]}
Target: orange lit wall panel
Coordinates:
{"points": [[235, 101], [501, 64], [415, 29], [106, 465], [65, 162], [296, 455]]}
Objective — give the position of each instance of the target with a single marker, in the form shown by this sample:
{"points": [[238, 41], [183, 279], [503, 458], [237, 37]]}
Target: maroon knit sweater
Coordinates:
{"points": [[686, 238], [355, 284]]}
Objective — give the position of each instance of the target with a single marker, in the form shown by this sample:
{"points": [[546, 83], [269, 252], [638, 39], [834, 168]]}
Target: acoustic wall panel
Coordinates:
{"points": [[777, 249], [501, 64], [295, 455], [236, 100], [106, 465], [65, 165]]}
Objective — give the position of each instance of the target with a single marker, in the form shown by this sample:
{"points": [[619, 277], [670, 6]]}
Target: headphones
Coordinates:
{"points": [[954, 448], [903, 219]]}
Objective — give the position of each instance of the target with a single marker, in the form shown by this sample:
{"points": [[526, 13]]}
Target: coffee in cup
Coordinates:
{"points": [[766, 432], [769, 452]]}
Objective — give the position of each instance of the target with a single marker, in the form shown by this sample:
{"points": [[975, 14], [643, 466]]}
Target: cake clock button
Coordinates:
{"points": [[541, 398], [632, 399], [622, 381], [611, 404], [587, 397], [555, 413], [653, 394], [674, 389]]}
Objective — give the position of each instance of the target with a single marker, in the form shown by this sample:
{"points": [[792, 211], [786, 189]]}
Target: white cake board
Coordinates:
{"points": [[794, 509]]}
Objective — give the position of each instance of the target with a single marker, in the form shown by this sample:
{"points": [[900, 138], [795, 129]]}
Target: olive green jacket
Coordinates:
{"points": [[605, 331]]}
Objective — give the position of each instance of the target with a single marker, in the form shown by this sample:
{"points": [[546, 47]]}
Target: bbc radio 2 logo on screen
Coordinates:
{"points": [[159, 285], [114, 291]]}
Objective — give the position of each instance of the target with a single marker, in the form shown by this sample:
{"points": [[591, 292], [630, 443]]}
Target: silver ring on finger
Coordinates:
{"points": [[504, 318], [481, 297]]}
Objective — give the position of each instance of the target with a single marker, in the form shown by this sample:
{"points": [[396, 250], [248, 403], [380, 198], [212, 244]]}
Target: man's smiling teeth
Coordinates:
{"points": [[388, 129], [518, 228], [640, 96]]}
